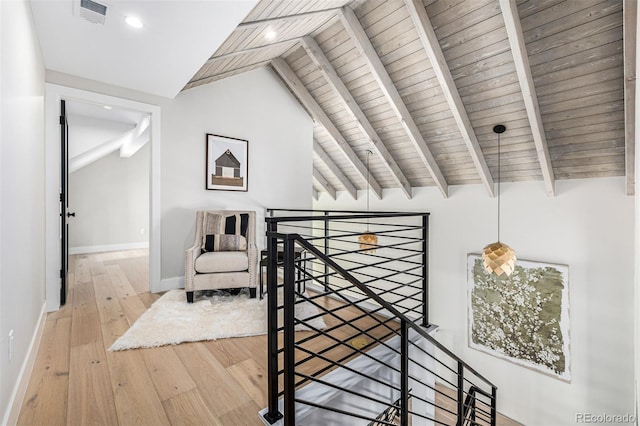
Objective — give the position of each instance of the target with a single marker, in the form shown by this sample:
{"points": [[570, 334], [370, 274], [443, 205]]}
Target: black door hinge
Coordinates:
{"points": [[62, 119], [61, 274]]}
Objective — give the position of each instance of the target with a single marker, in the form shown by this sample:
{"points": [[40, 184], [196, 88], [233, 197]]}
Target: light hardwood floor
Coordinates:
{"points": [[76, 381]]}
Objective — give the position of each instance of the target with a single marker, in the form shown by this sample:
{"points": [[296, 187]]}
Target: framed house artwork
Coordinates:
{"points": [[523, 318], [227, 160]]}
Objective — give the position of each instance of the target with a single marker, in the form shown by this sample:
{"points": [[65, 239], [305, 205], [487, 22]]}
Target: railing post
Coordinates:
{"points": [[494, 411], [326, 250], [273, 414], [404, 373], [289, 333], [460, 394], [425, 270]]}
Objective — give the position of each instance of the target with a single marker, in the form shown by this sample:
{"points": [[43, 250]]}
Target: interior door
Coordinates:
{"points": [[64, 202]]}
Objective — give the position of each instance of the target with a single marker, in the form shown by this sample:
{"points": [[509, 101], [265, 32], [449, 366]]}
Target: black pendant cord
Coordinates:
{"points": [[368, 155], [498, 187], [498, 129]]}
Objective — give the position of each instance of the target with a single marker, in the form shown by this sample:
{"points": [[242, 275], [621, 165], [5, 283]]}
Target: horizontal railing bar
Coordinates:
{"points": [[395, 272], [388, 233], [332, 385], [340, 365], [438, 361], [333, 363], [369, 314], [325, 311], [386, 259], [390, 308], [376, 265], [388, 230], [477, 389], [329, 211], [343, 412], [402, 259], [347, 216], [335, 345], [396, 246], [361, 332], [344, 343]]}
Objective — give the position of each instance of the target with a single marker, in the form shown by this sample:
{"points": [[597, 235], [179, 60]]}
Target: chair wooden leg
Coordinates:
{"points": [[189, 297], [252, 293]]}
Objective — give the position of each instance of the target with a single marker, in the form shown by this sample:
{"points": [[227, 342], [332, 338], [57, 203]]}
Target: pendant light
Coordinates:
{"points": [[368, 240], [499, 258]]}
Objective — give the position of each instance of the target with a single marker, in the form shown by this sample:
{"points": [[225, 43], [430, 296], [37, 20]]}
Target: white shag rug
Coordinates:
{"points": [[215, 315]]}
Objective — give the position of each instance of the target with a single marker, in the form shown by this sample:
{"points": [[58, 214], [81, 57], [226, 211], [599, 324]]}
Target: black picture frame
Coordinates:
{"points": [[227, 163]]}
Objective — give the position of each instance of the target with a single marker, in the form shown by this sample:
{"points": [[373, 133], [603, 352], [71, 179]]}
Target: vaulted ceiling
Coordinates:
{"points": [[421, 84]]}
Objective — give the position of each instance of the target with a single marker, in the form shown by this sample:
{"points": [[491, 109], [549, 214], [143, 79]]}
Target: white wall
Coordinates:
{"points": [[588, 226], [253, 106], [21, 193], [111, 200]]}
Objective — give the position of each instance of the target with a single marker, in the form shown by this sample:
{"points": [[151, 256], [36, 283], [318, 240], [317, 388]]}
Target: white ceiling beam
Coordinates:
{"points": [[630, 19], [338, 86], [141, 136], [364, 46], [441, 69], [100, 151], [287, 18], [315, 193], [324, 183], [319, 116], [521, 61], [333, 167]]}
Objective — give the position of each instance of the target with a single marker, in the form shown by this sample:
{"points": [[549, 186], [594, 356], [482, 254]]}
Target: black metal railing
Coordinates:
{"points": [[358, 349], [397, 270]]}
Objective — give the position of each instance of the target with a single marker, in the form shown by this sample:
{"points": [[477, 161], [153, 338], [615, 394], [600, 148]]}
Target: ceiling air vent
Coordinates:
{"points": [[92, 11]]}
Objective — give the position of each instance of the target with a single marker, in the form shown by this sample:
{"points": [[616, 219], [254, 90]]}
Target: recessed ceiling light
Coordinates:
{"points": [[134, 21], [270, 35], [107, 107]]}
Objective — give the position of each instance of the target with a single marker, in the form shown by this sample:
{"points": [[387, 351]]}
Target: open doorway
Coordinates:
{"points": [[107, 195], [54, 94]]}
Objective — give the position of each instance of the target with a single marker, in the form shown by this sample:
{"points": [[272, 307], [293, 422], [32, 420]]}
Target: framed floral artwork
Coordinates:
{"points": [[523, 318], [227, 159]]}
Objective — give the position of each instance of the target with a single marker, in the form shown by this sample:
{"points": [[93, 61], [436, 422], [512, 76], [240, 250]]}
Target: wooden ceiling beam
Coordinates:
{"points": [[441, 69], [333, 167], [323, 183], [364, 46], [289, 42], [288, 18], [630, 17], [317, 113], [523, 70], [338, 86], [216, 77]]}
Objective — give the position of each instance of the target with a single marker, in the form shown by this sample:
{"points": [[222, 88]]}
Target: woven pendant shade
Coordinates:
{"points": [[368, 242], [499, 258]]}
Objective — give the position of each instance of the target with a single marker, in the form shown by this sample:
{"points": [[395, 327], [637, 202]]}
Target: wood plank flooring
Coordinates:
{"points": [[76, 381]]}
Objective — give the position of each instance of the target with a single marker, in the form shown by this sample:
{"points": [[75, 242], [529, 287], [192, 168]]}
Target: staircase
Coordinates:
{"points": [[375, 362]]}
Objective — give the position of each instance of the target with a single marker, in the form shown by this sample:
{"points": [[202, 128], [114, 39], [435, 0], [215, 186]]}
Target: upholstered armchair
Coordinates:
{"points": [[224, 253]]}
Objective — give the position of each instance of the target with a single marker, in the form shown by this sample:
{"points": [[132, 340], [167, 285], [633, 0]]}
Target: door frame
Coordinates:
{"points": [[54, 93]]}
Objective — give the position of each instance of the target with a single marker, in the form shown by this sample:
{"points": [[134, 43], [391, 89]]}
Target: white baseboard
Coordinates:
{"points": [[170, 284], [108, 247], [20, 388]]}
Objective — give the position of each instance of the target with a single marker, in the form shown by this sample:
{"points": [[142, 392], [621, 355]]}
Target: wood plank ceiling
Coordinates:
{"points": [[421, 83]]}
